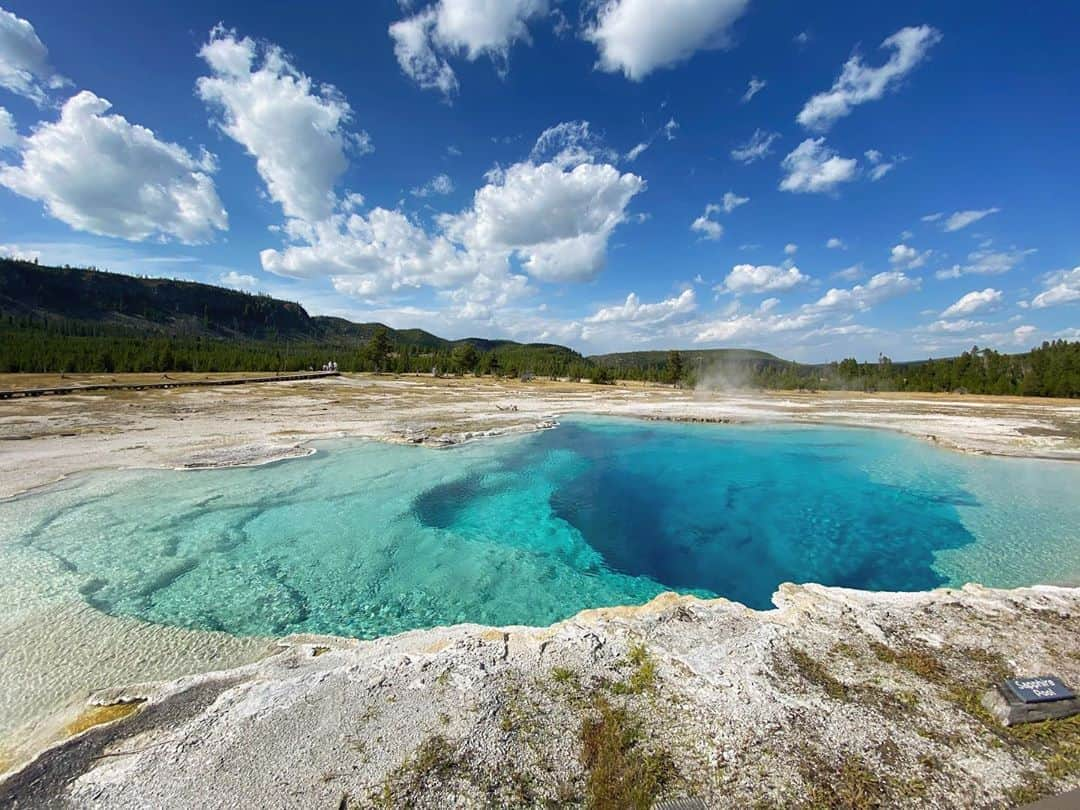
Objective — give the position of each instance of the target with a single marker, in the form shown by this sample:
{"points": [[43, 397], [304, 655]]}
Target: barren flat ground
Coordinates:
{"points": [[57, 649], [43, 439]]}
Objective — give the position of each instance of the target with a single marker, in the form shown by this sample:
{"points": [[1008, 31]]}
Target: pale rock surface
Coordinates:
{"points": [[834, 694]]}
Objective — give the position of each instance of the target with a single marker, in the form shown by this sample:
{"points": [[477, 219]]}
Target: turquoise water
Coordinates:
{"points": [[366, 539]]}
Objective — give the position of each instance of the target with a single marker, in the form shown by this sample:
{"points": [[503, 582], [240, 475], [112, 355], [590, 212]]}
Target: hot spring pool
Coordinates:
{"points": [[366, 539]]}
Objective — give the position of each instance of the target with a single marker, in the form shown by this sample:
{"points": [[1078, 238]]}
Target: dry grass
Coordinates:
{"points": [[622, 774]]}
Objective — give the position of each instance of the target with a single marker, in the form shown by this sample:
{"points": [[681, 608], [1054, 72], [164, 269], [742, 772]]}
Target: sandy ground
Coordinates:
{"points": [[46, 660]]}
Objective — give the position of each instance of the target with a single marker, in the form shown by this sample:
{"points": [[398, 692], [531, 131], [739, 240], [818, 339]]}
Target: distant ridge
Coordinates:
{"points": [[159, 307]]}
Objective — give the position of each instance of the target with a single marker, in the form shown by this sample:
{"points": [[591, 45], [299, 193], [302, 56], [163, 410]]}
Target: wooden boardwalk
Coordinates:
{"points": [[142, 386]]}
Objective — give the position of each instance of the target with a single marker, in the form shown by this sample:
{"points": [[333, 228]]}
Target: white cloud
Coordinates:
{"points": [[812, 167], [749, 278], [9, 138], [668, 130], [953, 327], [20, 253], [752, 325], [986, 263], [708, 228], [453, 151], [569, 144], [294, 129], [961, 219], [975, 301], [879, 288], [933, 217], [755, 86], [24, 60], [852, 273], [1062, 287], [238, 281], [790, 249], [1023, 334], [768, 305], [758, 147], [835, 243], [439, 184], [731, 201], [858, 83], [633, 311], [101, 174], [452, 28], [554, 218], [879, 166], [908, 257], [636, 37]]}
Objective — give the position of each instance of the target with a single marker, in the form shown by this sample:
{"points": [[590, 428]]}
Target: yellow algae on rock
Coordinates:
{"points": [[99, 716]]}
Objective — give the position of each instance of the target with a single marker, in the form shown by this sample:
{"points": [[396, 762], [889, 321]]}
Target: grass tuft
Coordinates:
{"points": [[814, 671], [621, 773]]}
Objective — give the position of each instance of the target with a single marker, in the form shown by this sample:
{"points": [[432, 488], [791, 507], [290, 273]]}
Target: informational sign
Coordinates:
{"points": [[1040, 689]]}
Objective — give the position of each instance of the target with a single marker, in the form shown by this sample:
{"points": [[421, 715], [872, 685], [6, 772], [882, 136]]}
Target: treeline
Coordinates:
{"points": [[29, 345], [1051, 370], [75, 347]]}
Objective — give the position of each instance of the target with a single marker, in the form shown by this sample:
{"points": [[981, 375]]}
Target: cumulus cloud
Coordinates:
{"points": [[812, 167], [633, 311], [908, 257], [859, 83], [933, 217], [295, 130], [102, 174], [238, 281], [424, 42], [439, 184], [758, 147], [731, 201], [961, 219], [1062, 287], [986, 263], [975, 301], [24, 60], [755, 86], [835, 243], [636, 37], [790, 249], [9, 138], [708, 227], [752, 325], [554, 218], [879, 288], [749, 278]]}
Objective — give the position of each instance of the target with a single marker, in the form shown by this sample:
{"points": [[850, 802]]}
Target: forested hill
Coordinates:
{"points": [[40, 295], [75, 319]]}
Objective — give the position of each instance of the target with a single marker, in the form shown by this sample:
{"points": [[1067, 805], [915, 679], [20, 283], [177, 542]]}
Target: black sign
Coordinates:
{"points": [[1040, 689]]}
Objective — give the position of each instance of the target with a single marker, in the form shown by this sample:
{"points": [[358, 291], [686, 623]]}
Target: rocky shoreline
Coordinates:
{"points": [[835, 698]]}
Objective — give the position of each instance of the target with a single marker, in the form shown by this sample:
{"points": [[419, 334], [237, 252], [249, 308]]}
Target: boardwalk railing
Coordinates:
{"points": [[142, 386]]}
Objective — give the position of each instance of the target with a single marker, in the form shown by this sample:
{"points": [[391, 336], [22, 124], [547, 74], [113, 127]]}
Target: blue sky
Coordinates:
{"points": [[626, 174]]}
